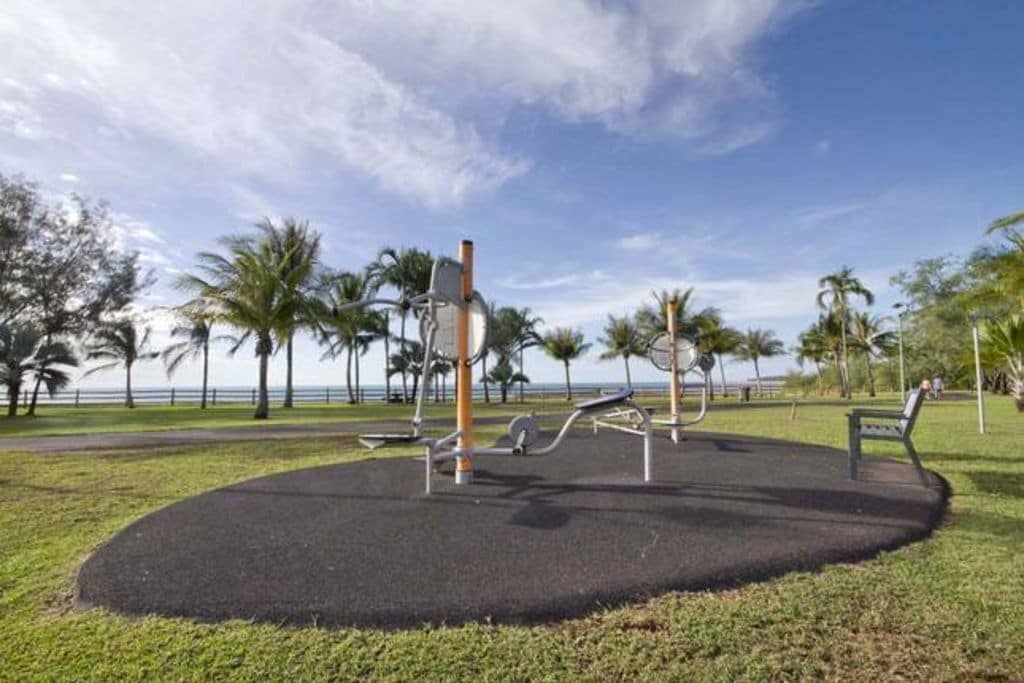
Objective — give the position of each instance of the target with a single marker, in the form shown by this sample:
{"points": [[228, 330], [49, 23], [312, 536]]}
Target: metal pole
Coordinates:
{"points": [[903, 381], [464, 379], [673, 382], [977, 375]]}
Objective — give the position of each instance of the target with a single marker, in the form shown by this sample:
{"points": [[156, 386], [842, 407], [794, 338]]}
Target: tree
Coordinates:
{"points": [[836, 291], [504, 375], [719, 340], [565, 344], [252, 291], [510, 332], [651, 319], [408, 271], [25, 354], [409, 361], [351, 330], [59, 265], [622, 339], [194, 329], [756, 344], [120, 343], [871, 339], [296, 253], [1006, 339], [441, 368]]}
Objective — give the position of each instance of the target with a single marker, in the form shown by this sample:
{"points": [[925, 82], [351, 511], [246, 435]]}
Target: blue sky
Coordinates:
{"points": [[593, 151]]}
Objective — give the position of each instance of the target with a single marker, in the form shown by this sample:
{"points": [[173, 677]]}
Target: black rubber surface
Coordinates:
{"points": [[533, 538]]}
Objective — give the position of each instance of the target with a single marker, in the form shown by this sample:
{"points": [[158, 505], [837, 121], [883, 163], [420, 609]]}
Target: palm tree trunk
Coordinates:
{"points": [[401, 349], [568, 384], [504, 392], [348, 372], [721, 368], [387, 358], [871, 375], [522, 371], [12, 399], [629, 379], [757, 375], [483, 371], [845, 374], [206, 373], [359, 395], [288, 399], [129, 400], [263, 403], [35, 397]]}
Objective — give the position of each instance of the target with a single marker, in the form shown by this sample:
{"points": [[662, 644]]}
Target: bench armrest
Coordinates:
{"points": [[881, 414]]}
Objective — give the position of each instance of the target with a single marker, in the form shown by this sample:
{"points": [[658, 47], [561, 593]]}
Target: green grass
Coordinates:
{"points": [[90, 419], [951, 607]]}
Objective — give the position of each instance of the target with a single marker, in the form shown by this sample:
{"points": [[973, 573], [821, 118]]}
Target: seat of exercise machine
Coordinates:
{"points": [[372, 441], [604, 401]]}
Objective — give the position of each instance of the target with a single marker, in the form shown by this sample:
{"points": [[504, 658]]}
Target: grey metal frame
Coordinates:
{"points": [[899, 426]]}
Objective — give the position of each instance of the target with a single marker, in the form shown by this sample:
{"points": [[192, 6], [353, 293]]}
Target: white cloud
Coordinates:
{"points": [[69, 177], [641, 241], [409, 95]]}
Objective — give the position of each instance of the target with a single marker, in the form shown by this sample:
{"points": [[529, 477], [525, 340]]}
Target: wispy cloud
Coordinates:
{"points": [[641, 241]]}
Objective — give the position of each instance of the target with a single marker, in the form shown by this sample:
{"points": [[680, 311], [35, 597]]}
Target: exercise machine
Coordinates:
{"points": [[459, 332], [676, 354]]}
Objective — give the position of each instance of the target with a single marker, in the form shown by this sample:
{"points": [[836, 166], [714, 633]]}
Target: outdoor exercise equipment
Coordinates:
{"points": [[459, 332], [439, 310], [673, 353]]}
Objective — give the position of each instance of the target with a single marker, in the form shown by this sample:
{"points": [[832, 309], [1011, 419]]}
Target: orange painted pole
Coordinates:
{"points": [[464, 378], [673, 382]]}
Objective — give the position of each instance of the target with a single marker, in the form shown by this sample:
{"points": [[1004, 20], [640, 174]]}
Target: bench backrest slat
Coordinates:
{"points": [[915, 399]]}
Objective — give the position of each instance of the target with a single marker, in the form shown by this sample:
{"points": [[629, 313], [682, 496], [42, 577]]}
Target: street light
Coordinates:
{"points": [[977, 372], [900, 308]]}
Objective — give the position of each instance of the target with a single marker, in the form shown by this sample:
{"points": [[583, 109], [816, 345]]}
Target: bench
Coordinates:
{"points": [[886, 425]]}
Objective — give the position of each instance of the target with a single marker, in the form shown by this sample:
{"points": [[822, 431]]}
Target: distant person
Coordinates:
{"points": [[937, 387], [926, 387]]}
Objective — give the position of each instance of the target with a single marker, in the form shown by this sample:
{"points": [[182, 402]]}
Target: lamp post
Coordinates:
{"points": [[900, 310], [977, 372]]}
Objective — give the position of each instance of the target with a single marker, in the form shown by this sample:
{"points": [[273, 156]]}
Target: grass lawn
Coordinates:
{"points": [[88, 419], [951, 607]]}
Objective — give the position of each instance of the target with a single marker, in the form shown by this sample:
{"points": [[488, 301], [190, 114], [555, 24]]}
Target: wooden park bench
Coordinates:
{"points": [[886, 425]]}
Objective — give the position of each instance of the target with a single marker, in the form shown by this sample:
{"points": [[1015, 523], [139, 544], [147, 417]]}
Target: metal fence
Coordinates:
{"points": [[173, 396]]}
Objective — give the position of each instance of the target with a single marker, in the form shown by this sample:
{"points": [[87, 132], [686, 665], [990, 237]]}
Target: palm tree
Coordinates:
{"points": [[409, 361], [871, 339], [195, 333], [504, 375], [510, 332], [440, 369], [652, 320], [756, 344], [1006, 340], [252, 291], [121, 344], [48, 371], [408, 271], [25, 353], [296, 253], [347, 329], [717, 339], [622, 340], [565, 344], [836, 291], [811, 346]]}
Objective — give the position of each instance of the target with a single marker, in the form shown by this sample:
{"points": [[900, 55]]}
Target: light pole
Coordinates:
{"points": [[900, 310], [977, 373]]}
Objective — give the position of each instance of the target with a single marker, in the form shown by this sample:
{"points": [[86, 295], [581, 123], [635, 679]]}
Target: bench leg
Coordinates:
{"points": [[909, 445], [854, 448]]}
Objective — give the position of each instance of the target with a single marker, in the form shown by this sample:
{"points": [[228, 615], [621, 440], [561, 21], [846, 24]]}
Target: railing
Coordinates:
{"points": [[174, 396]]}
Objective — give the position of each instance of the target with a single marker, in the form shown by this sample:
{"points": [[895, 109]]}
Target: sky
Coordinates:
{"points": [[593, 151]]}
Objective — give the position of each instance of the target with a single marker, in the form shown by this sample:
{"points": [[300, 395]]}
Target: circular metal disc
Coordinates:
{"points": [[524, 423], [444, 338], [660, 349]]}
